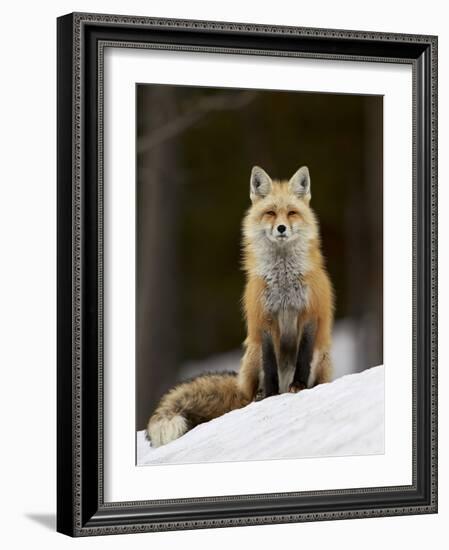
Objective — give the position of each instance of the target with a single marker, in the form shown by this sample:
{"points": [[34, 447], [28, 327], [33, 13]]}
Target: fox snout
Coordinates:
{"points": [[281, 230]]}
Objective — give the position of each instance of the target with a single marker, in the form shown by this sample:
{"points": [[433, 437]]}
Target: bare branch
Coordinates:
{"points": [[186, 120]]}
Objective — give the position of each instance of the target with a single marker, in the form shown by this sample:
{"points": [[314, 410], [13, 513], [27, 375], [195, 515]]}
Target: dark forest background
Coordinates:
{"points": [[195, 150]]}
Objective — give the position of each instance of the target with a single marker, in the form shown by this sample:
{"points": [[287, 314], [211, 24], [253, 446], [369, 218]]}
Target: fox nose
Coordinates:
{"points": [[281, 228]]}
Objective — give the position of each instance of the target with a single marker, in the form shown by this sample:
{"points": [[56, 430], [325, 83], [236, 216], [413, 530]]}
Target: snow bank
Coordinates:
{"points": [[345, 417]]}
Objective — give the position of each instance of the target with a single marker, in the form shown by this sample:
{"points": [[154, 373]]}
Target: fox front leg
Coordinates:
{"points": [[270, 367], [303, 360]]}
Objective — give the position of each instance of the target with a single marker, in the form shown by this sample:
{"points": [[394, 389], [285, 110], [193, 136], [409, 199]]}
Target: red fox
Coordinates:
{"points": [[288, 306]]}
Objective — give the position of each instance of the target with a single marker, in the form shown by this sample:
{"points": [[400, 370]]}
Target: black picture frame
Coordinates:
{"points": [[81, 509]]}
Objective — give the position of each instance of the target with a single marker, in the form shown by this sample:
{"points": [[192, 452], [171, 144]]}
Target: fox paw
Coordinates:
{"points": [[259, 395], [296, 387]]}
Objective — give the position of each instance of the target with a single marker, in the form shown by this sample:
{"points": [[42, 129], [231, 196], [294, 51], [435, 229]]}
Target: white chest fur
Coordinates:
{"points": [[282, 270], [285, 295]]}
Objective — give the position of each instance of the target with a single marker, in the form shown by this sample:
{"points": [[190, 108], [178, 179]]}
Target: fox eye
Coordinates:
{"points": [[270, 213], [292, 213]]}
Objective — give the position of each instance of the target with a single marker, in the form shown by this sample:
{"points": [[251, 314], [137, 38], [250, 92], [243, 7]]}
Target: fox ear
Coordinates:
{"points": [[260, 184], [300, 183]]}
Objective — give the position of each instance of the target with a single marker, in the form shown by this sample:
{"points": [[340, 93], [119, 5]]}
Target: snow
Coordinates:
{"points": [[342, 418]]}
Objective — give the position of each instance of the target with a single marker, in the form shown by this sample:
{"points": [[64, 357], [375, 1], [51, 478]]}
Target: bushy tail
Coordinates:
{"points": [[193, 402]]}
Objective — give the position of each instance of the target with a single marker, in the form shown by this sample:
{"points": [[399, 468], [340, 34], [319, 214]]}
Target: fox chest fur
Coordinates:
{"points": [[282, 272], [285, 297]]}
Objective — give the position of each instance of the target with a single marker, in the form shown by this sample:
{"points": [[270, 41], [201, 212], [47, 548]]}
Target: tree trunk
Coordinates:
{"points": [[156, 286]]}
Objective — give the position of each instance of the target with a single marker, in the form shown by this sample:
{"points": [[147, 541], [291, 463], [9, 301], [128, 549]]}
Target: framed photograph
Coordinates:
{"points": [[247, 274]]}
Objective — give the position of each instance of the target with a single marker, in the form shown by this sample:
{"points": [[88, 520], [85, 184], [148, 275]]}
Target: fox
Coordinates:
{"points": [[288, 306], [288, 299]]}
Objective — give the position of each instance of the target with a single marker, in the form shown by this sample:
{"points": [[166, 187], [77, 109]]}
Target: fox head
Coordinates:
{"points": [[280, 211]]}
